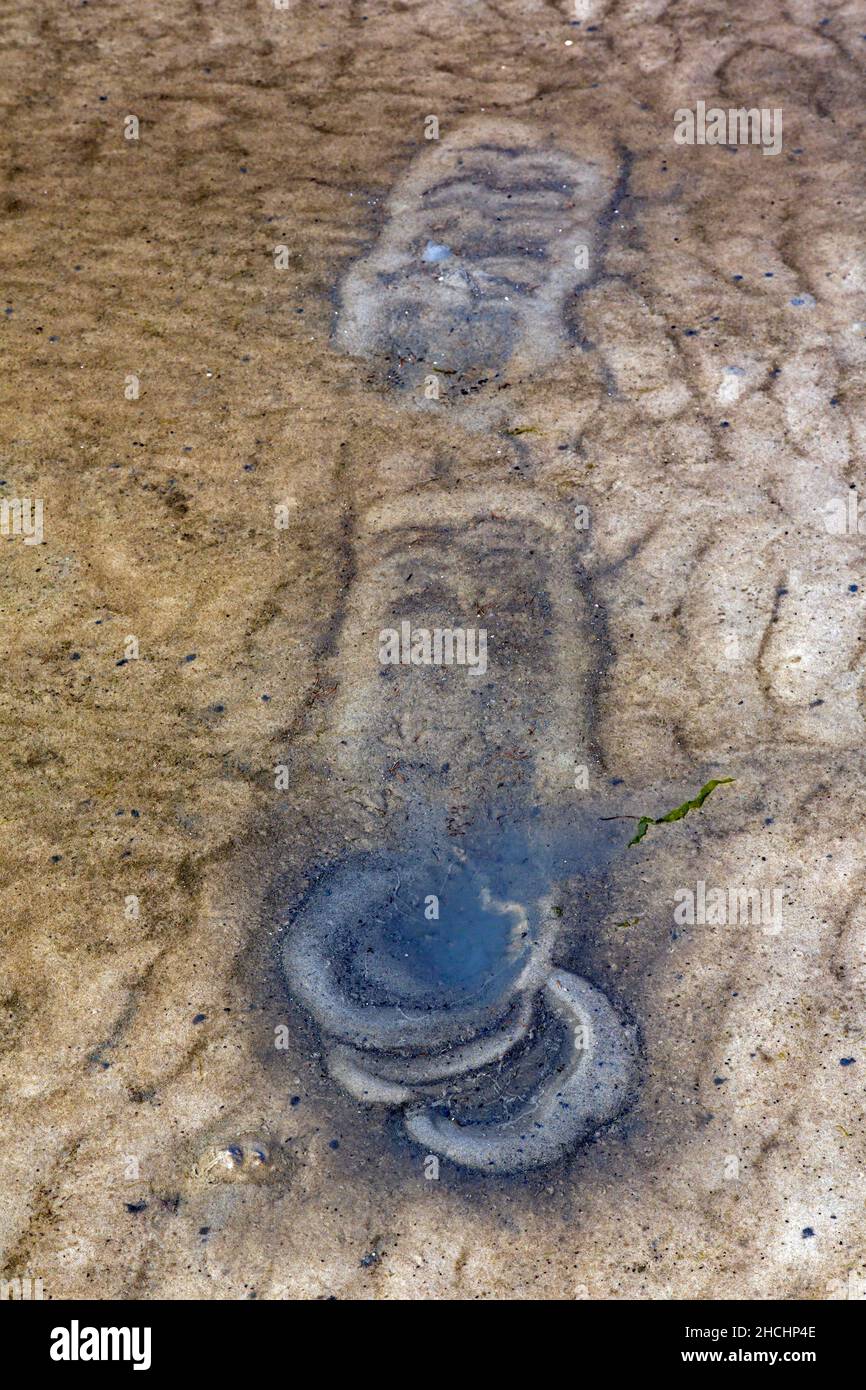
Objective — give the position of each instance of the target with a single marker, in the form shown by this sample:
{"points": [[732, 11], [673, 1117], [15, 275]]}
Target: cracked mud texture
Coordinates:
{"points": [[704, 401]]}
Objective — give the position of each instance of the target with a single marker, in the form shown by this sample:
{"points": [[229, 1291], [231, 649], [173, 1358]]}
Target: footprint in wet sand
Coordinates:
{"points": [[486, 234], [464, 671]]}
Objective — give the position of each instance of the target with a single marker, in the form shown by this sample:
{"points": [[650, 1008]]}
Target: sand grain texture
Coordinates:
{"points": [[154, 1142]]}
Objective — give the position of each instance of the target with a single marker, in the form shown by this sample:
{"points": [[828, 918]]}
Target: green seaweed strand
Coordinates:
{"points": [[644, 822]]}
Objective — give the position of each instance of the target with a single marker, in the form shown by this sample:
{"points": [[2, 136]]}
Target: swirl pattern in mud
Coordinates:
{"points": [[434, 992]]}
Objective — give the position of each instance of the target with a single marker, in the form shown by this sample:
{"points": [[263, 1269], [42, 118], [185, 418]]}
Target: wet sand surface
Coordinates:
{"points": [[236, 456]]}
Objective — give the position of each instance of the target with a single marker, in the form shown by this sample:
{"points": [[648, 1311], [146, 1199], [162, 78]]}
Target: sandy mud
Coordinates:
{"points": [[328, 329]]}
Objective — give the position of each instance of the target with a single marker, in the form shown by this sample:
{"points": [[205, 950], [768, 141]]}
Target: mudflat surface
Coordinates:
{"points": [[167, 1124]]}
